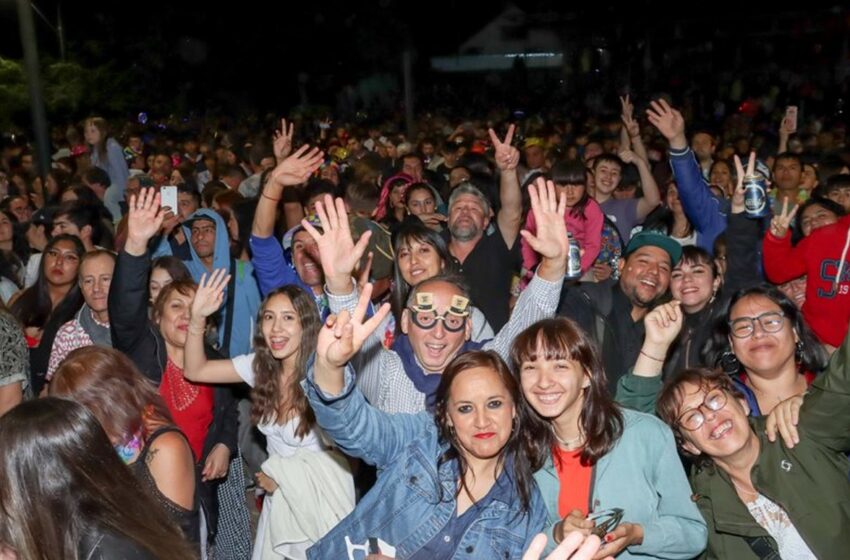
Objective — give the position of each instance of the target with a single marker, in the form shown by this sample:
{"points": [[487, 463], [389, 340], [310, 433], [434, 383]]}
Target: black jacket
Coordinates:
{"points": [[136, 336]]}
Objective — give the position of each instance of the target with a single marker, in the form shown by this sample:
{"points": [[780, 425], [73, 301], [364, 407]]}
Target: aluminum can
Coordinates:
{"points": [[755, 196]]}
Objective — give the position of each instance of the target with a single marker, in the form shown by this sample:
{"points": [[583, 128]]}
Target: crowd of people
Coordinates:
{"points": [[611, 339]]}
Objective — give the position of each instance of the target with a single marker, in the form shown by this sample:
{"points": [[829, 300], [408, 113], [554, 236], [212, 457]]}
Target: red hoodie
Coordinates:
{"points": [[819, 256]]}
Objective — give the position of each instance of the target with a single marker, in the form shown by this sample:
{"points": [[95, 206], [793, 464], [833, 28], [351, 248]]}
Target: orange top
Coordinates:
{"points": [[574, 479]]}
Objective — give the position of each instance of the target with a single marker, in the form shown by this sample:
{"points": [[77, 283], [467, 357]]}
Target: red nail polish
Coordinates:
{"points": [[609, 537]]}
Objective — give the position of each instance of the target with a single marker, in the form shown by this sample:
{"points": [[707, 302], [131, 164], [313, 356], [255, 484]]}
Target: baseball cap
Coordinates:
{"points": [[652, 238]]}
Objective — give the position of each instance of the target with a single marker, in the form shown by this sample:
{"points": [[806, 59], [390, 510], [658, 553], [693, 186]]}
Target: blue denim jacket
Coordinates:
{"points": [[413, 498]]}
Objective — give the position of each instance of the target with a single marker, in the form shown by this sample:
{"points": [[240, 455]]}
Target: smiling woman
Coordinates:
{"points": [[286, 336], [762, 498], [460, 481], [598, 457]]}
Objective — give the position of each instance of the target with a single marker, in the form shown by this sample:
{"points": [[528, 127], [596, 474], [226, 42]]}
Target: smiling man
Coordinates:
{"points": [[612, 312], [435, 324]]}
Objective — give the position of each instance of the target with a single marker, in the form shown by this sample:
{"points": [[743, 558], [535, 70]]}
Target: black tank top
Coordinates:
{"points": [[189, 521]]}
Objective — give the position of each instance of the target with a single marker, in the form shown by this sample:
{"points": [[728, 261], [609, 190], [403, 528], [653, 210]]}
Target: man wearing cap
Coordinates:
{"points": [[613, 312]]}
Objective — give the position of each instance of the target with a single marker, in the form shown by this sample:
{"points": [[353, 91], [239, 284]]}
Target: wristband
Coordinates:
{"points": [[651, 357], [264, 195]]}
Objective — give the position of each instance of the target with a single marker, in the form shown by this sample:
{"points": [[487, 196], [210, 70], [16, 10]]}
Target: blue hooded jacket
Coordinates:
{"points": [[247, 294]]}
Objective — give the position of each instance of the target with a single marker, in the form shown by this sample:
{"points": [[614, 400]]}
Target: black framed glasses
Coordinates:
{"points": [[428, 320], [693, 419], [770, 322]]}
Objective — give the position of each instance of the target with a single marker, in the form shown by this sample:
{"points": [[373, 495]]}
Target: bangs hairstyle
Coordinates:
{"points": [[414, 231], [668, 405], [572, 172], [520, 445], [183, 287], [271, 401], [601, 420], [107, 383], [693, 255]]}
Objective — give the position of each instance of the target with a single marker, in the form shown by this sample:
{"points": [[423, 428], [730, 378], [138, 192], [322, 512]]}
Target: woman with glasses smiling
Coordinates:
{"points": [[762, 498], [762, 343]]}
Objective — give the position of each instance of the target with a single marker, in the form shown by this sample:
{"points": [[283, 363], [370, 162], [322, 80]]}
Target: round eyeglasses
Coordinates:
{"points": [[693, 419], [428, 320], [770, 322]]}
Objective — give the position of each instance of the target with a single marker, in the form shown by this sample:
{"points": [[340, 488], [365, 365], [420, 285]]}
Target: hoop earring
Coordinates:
{"points": [[729, 363]]}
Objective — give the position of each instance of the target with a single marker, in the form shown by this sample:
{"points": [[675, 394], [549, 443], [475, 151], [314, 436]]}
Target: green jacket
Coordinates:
{"points": [[809, 481]]}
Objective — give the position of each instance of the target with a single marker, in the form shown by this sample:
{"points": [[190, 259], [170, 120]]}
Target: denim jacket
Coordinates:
{"points": [[642, 475], [414, 498]]}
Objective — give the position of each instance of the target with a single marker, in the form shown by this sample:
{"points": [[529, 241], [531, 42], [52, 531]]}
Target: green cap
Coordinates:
{"points": [[656, 239]]}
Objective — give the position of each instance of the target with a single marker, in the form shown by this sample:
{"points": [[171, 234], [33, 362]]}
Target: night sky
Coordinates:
{"points": [[251, 53]]}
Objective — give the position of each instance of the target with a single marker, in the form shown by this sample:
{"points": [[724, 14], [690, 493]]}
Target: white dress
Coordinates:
{"points": [[281, 441]]}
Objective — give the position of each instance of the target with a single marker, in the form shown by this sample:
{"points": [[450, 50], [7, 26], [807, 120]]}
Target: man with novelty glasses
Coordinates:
{"points": [[435, 325]]}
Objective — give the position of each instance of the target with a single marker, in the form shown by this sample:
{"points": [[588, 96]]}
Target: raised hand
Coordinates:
{"points": [[343, 335], [209, 296], [337, 251], [298, 167], [433, 220], [507, 156], [283, 140], [628, 156], [663, 325], [779, 224], [738, 195], [144, 219], [627, 116], [786, 128], [551, 239], [575, 546], [783, 420], [669, 122]]}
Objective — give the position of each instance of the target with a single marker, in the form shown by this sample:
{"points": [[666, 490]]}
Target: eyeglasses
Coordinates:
{"points": [[693, 419], [428, 320], [770, 322]]}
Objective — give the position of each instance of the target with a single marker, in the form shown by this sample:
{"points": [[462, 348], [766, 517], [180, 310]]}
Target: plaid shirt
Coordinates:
{"points": [[380, 373]]}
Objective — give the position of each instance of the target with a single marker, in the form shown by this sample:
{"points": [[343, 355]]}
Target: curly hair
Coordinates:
{"points": [[276, 397]]}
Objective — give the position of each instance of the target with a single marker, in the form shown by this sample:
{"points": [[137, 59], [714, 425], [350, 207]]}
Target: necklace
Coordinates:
{"points": [[744, 490], [567, 443]]}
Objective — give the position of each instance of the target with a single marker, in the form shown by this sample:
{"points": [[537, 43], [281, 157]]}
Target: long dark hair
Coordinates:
{"points": [[20, 246], [271, 400], [572, 172], [718, 352], [243, 212], [34, 307], [520, 444], [420, 233], [61, 481], [600, 421]]}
